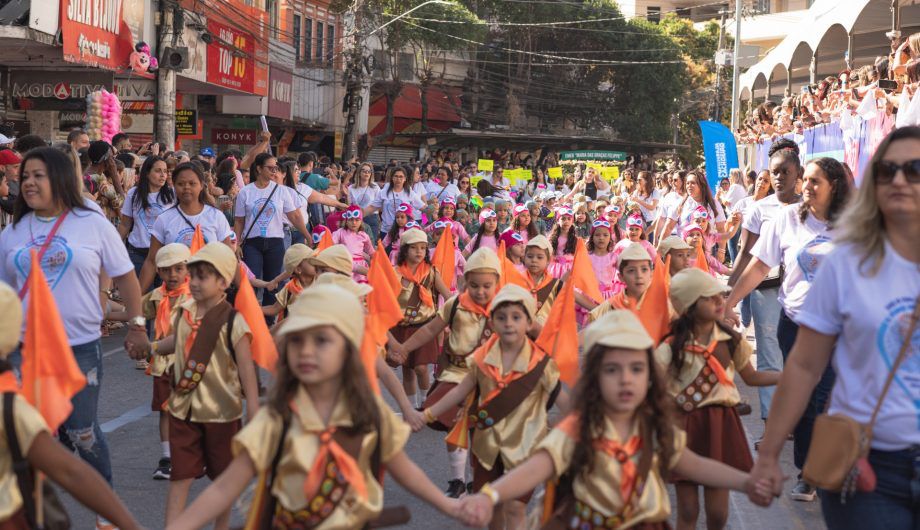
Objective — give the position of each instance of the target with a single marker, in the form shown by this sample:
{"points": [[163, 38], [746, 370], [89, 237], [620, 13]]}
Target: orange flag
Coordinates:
{"points": [[444, 259], [50, 375], [510, 274], [197, 240], [325, 241], [559, 336], [388, 270], [383, 312], [701, 262], [583, 273], [653, 312], [264, 352]]}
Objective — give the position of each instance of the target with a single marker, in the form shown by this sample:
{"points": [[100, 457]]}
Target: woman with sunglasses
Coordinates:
{"points": [[392, 196], [258, 225], [362, 193], [303, 196], [860, 305]]}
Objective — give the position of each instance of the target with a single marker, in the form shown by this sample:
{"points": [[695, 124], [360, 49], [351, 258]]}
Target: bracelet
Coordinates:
{"points": [[154, 346], [429, 417], [490, 492]]}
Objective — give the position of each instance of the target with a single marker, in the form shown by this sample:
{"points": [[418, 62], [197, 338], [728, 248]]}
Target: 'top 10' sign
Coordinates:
{"points": [[231, 58]]}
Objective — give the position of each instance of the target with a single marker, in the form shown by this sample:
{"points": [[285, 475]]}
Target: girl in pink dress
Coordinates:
{"points": [[402, 217], [635, 234], [613, 213], [603, 259], [695, 237], [563, 240], [395, 252], [514, 248], [487, 236], [356, 240], [447, 210], [523, 223]]}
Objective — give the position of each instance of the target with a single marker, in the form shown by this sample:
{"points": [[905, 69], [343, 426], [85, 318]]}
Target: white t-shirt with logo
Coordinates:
{"points": [[85, 244], [684, 216], [800, 247], [170, 227], [269, 223], [143, 218], [869, 316]]}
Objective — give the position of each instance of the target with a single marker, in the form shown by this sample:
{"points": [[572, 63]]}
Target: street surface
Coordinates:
{"points": [[131, 430]]}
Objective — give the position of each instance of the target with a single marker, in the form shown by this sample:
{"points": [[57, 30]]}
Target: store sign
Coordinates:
{"points": [[186, 122], [615, 156], [233, 136], [280, 91], [101, 33], [136, 95], [45, 90], [70, 119], [231, 58]]}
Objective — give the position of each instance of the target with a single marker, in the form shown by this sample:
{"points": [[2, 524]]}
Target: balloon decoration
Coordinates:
{"points": [[103, 115]]}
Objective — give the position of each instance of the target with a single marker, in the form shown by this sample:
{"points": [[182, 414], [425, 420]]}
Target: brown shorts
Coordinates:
{"points": [[162, 388], [427, 354], [200, 448], [482, 475], [17, 521], [445, 422], [716, 432]]}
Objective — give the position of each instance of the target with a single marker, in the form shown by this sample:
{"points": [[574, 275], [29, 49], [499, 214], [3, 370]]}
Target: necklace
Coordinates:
{"points": [[45, 220]]}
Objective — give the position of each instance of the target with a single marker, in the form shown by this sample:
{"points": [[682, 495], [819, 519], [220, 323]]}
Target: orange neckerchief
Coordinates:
{"points": [[711, 361], [328, 447], [194, 324], [294, 288], [163, 324], [466, 302], [8, 382], [495, 373], [417, 277], [534, 288], [623, 301]]}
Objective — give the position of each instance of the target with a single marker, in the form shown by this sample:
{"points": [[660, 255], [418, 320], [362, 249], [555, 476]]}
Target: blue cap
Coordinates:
{"points": [[206, 151]]}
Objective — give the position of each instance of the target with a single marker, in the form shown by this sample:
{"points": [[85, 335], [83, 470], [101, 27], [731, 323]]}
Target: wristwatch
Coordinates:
{"points": [[490, 492], [138, 322]]}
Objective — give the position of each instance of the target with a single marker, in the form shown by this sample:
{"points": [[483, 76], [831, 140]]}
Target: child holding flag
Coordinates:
{"points": [[543, 286], [297, 265], [634, 266]]}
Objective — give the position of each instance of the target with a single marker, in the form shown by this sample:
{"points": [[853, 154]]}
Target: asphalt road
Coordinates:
{"points": [[131, 431]]}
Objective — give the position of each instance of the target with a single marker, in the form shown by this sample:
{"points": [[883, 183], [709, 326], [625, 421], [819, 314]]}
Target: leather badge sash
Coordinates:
{"points": [[705, 381], [485, 416], [199, 355]]}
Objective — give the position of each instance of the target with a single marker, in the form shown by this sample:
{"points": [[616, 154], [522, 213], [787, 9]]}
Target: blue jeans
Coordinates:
{"points": [[138, 257], [765, 309], [746, 311], [297, 237], [786, 333], [81, 431], [373, 227], [265, 257], [895, 503]]}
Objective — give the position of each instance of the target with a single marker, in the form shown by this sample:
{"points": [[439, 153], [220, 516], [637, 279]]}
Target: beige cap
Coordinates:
{"points": [[689, 285], [633, 252], [617, 329], [672, 243], [412, 236], [540, 242], [331, 278], [326, 305], [220, 256], [172, 254], [515, 293], [295, 255], [336, 257], [483, 260], [11, 323]]}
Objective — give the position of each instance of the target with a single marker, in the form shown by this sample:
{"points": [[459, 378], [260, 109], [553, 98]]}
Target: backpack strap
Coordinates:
{"points": [[453, 312], [21, 467], [230, 347]]}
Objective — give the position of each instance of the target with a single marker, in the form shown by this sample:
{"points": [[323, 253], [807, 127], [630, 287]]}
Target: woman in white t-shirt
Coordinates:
{"points": [[393, 194], [83, 244], [303, 196], [143, 204], [799, 239], [669, 202], [698, 194], [444, 188], [646, 196], [362, 193], [856, 316]]}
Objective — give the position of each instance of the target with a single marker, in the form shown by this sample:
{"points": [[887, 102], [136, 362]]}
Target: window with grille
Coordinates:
{"points": [[330, 44], [296, 30], [319, 41]]}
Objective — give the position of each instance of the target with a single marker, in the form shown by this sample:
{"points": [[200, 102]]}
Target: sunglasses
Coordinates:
{"points": [[886, 171], [702, 215], [488, 214], [402, 208], [353, 214], [273, 169], [517, 237], [632, 221], [440, 224], [412, 224], [600, 223]]}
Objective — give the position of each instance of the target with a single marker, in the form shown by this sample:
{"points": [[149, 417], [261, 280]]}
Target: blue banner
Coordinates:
{"points": [[720, 151]]}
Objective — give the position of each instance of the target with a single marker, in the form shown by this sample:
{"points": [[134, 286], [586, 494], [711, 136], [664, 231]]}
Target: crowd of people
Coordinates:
{"points": [[163, 241]]}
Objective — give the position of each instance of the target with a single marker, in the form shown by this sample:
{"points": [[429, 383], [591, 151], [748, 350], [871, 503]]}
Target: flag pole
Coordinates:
{"points": [[39, 476]]}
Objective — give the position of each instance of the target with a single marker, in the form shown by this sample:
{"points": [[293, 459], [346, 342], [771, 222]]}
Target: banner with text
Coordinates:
{"points": [[101, 33], [720, 151]]}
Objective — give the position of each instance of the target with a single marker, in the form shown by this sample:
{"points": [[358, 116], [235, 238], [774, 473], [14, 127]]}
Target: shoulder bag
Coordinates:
{"points": [[256, 218]]}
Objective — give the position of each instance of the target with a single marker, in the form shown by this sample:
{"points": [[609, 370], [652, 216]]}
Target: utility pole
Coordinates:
{"points": [[717, 109], [166, 79], [354, 80], [736, 70]]}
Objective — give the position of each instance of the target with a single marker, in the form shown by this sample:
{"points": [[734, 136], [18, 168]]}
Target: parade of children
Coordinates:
{"points": [[531, 360]]}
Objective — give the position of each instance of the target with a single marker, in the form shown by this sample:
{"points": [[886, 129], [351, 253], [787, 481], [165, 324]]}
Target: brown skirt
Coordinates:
{"points": [[17, 521], [716, 432], [162, 388], [427, 354], [445, 422], [482, 475]]}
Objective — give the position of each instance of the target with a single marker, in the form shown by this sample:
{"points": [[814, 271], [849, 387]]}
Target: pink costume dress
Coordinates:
{"points": [[487, 241], [562, 262], [605, 270], [359, 244]]}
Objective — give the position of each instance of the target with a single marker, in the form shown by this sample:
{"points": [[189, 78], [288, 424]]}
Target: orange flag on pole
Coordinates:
{"points": [[701, 262], [325, 241], [443, 259], [388, 271], [383, 312], [50, 375], [197, 240], [510, 274], [583, 276], [264, 352], [653, 312], [559, 336]]}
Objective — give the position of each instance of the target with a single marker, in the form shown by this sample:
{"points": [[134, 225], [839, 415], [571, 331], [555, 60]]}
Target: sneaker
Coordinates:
{"points": [[802, 491], [455, 488], [141, 364], [163, 470]]}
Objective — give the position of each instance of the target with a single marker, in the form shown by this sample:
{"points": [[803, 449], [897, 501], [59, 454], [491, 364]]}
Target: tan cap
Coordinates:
{"points": [[689, 285], [336, 257], [617, 329], [412, 236], [540, 242], [633, 252], [172, 254], [672, 243], [220, 256], [331, 278], [295, 255], [11, 323], [515, 293], [483, 260], [326, 305]]}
